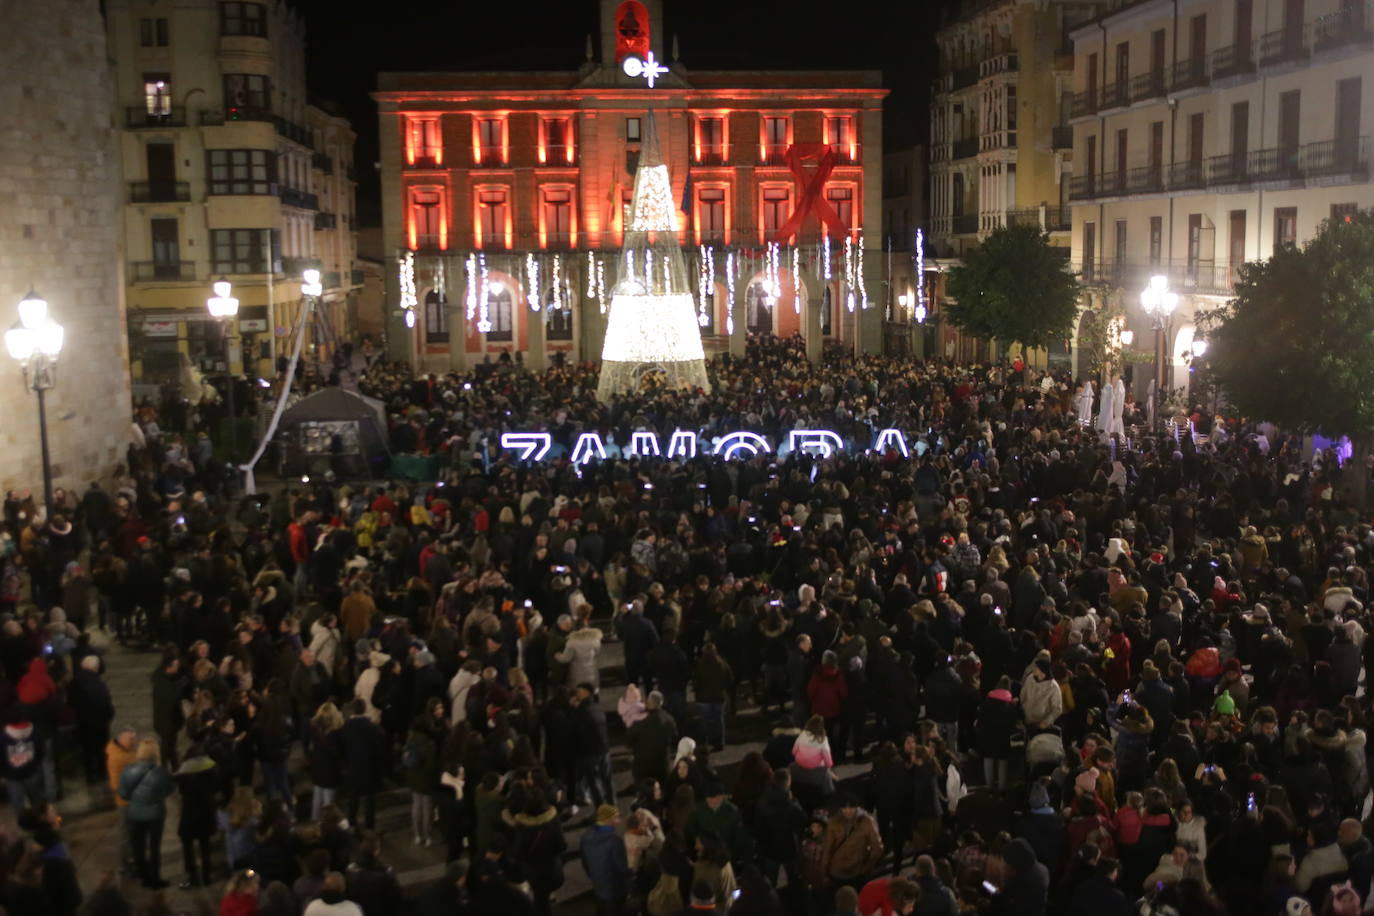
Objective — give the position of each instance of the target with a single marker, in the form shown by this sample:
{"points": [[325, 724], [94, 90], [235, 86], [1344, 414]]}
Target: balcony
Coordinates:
{"points": [[773, 154], [140, 116], [1000, 63], [1335, 158], [1279, 164], [293, 131], [331, 279], [941, 84], [998, 139], [1184, 176], [1283, 46], [215, 117], [297, 198], [425, 159], [1205, 277], [326, 221], [163, 271], [159, 192], [1083, 187], [1145, 179], [322, 163], [1348, 26], [1147, 86], [1083, 104], [964, 224], [965, 149], [965, 77], [1227, 169], [1114, 96], [356, 277], [709, 155], [1233, 60], [1055, 219], [1061, 138], [1189, 74]]}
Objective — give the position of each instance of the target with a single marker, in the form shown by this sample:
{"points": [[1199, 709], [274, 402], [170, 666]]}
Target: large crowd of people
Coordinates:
{"points": [[1022, 670]]}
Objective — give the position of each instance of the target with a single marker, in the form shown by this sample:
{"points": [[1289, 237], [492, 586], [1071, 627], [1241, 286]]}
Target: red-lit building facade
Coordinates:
{"points": [[513, 164]]}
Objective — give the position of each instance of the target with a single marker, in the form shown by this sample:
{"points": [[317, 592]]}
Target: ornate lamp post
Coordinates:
{"points": [[224, 308], [1159, 303], [35, 341]]}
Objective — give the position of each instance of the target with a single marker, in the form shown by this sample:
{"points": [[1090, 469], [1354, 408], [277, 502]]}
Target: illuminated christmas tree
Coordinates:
{"points": [[652, 329]]}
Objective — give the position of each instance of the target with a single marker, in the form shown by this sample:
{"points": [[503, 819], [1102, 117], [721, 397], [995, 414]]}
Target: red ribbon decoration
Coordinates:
{"points": [[812, 199]]}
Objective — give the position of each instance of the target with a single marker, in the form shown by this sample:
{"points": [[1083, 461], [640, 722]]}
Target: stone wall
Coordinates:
{"points": [[60, 218]]}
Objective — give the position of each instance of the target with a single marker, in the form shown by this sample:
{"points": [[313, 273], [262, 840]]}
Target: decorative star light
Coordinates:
{"points": [[648, 68]]}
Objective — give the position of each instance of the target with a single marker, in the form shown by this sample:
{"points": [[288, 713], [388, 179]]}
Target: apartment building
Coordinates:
{"points": [[1000, 149], [520, 166], [226, 164], [1208, 133]]}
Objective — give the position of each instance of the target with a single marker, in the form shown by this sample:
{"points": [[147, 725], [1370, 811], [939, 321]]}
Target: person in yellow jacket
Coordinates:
{"points": [[119, 753]]}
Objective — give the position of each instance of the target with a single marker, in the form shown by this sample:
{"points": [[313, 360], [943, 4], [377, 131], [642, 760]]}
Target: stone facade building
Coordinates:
{"points": [[60, 231]]}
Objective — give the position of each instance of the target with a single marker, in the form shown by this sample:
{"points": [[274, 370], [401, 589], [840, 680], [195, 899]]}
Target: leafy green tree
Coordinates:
{"points": [[1296, 344], [1014, 287]]}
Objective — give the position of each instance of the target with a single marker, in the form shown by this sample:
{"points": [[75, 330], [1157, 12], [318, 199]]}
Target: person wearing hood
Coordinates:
{"points": [[651, 737], [538, 843], [1043, 827], [631, 706], [1042, 701], [1025, 891], [580, 654], [827, 690], [199, 784], [59, 872], [366, 686], [333, 900]]}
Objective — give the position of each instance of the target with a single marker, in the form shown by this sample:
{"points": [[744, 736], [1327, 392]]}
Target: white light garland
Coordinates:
{"points": [[654, 210], [849, 271], [730, 293], [920, 311], [532, 282], [863, 284], [796, 280], [408, 300], [557, 275], [601, 284], [825, 256], [591, 275], [701, 287], [774, 255], [484, 322], [471, 271], [667, 275]]}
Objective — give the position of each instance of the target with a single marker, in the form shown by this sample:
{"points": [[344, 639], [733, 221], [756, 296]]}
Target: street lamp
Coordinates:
{"points": [[224, 308], [1159, 304], [35, 341], [1199, 347], [1127, 337]]}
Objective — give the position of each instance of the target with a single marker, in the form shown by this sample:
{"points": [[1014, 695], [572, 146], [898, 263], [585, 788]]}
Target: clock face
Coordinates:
{"points": [[631, 30]]}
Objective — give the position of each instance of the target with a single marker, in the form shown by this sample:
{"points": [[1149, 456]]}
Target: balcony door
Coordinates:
{"points": [[1347, 122], [162, 171], [1290, 110], [1244, 20], [166, 249]]}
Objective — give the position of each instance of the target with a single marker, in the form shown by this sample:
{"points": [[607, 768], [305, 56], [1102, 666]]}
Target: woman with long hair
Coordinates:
{"points": [[199, 785], [145, 785], [326, 756], [812, 775], [239, 821]]}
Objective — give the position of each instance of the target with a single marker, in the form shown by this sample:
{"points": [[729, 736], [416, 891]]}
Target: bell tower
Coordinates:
{"points": [[630, 28]]}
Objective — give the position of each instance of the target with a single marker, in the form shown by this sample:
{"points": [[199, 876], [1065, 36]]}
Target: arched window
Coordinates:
{"points": [[758, 308], [499, 312], [436, 317]]}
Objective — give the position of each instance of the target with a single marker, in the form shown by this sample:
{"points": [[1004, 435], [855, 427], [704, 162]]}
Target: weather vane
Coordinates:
{"points": [[648, 68]]}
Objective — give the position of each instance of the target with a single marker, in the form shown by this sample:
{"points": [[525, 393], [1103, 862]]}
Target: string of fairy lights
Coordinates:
{"points": [[549, 281]]}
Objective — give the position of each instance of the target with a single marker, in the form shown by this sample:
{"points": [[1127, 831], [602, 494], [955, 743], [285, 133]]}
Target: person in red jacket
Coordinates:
{"points": [[889, 897], [827, 691]]}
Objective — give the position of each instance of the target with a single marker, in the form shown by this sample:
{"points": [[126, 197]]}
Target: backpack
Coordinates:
{"points": [[665, 899], [413, 753]]}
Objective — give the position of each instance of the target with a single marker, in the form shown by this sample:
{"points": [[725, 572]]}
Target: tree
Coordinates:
{"points": [[1296, 344], [1014, 287]]}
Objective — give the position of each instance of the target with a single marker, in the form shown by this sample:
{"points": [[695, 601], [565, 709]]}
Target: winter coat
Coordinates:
{"points": [[167, 716], [1045, 831], [604, 859], [1027, 892], [90, 696], [365, 755], [21, 750], [779, 825], [998, 718], [117, 759], [826, 692], [580, 655], [325, 642], [420, 757], [1041, 701], [651, 740], [199, 784], [326, 757], [539, 844], [145, 786], [711, 681], [851, 849], [944, 694]]}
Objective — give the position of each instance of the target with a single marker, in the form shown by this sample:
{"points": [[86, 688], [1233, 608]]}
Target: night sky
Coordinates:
{"points": [[347, 47]]}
